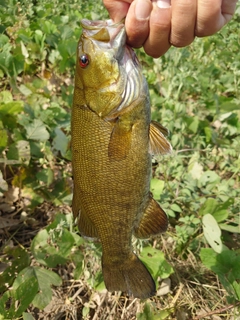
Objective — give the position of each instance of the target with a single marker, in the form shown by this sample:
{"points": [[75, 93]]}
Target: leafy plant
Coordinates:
{"points": [[194, 93], [226, 266], [52, 246]]}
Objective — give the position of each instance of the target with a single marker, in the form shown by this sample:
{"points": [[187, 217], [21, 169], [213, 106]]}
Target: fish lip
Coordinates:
{"points": [[96, 24], [115, 31], [117, 36], [110, 38]]}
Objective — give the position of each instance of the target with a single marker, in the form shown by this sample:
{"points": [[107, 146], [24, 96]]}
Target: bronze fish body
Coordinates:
{"points": [[112, 141]]}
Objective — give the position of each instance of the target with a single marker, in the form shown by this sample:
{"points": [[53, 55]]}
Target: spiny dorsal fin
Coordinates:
{"points": [[158, 143]]}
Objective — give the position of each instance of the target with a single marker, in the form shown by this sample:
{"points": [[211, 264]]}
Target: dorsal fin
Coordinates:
{"points": [[158, 143]]}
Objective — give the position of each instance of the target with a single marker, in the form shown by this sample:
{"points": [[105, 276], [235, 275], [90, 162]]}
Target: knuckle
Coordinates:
{"points": [[180, 41]]}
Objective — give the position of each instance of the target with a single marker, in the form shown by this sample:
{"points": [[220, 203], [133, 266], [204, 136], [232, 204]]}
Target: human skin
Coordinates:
{"points": [[156, 25]]}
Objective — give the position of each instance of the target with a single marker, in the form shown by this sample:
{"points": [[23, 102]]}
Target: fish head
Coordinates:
{"points": [[104, 63]]}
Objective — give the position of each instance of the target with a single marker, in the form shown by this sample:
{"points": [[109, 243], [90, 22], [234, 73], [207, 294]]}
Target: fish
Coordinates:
{"points": [[113, 140]]}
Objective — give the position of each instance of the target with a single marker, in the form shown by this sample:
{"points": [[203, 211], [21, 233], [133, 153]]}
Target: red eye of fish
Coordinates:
{"points": [[83, 60]]}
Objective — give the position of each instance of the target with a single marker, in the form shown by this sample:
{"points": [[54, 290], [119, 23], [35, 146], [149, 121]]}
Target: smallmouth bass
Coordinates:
{"points": [[113, 139]]}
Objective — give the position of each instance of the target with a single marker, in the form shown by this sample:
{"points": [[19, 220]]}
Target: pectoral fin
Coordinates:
{"points": [[120, 141], [153, 222], [158, 143]]}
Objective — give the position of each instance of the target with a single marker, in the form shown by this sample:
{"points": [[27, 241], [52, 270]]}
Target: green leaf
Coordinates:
{"points": [[19, 298], [78, 259], [85, 311], [230, 228], [24, 151], [226, 266], [157, 187], [236, 287], [208, 257], [24, 50], [212, 232], [46, 176], [99, 282], [3, 40], [27, 316], [3, 137], [175, 207], [11, 107], [208, 206], [25, 294], [39, 37], [155, 260], [20, 151], [52, 248], [209, 177], [218, 210], [16, 260], [193, 123], [60, 142], [196, 170], [229, 106], [5, 96], [147, 313], [25, 90], [220, 215], [46, 279], [208, 133], [66, 32], [37, 131]]}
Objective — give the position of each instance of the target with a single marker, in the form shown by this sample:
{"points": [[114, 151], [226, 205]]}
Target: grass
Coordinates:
{"points": [[46, 268]]}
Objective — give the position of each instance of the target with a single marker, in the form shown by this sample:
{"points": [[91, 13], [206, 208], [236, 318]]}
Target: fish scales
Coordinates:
{"points": [[112, 135]]}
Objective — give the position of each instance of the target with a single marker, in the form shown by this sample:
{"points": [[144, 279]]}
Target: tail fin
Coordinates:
{"points": [[131, 276]]}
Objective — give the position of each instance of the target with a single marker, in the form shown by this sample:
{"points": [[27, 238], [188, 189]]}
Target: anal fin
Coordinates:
{"points": [[158, 143], [85, 225], [153, 222]]}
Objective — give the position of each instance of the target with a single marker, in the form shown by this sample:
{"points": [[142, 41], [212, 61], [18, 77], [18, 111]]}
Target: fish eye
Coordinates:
{"points": [[83, 60]]}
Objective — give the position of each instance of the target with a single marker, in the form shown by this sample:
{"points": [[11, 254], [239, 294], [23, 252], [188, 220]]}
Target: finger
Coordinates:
{"points": [[137, 22], [228, 9], [157, 42], [184, 13], [213, 15], [117, 9]]}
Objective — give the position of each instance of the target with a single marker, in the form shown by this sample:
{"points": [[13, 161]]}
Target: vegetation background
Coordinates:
{"points": [[47, 271]]}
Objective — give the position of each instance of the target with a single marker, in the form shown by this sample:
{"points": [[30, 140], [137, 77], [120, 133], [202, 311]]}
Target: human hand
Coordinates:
{"points": [[158, 24]]}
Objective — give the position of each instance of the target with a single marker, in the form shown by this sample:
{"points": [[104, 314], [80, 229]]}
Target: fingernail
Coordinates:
{"points": [[163, 4], [143, 9]]}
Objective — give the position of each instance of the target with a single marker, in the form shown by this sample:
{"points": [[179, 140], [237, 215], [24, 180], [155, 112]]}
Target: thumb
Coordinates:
{"points": [[117, 9]]}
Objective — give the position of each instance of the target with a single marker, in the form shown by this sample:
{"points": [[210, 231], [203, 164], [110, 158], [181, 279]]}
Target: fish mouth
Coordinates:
{"points": [[105, 32], [97, 24], [109, 36]]}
